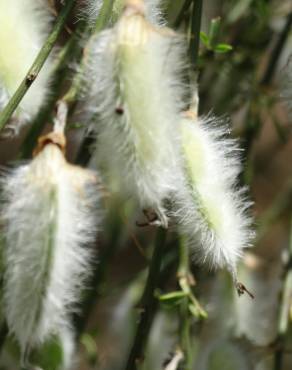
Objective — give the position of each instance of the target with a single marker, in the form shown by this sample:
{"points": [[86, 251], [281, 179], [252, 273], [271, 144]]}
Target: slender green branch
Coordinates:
{"points": [[3, 334], [104, 15], [277, 51], [279, 206], [254, 125], [99, 276], [101, 22], [182, 12], [45, 114], [285, 306], [195, 31], [37, 64], [148, 303], [185, 320]]}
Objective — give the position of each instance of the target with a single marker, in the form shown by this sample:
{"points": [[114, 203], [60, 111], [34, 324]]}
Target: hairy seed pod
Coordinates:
{"points": [[135, 95], [24, 24], [49, 219], [211, 210]]}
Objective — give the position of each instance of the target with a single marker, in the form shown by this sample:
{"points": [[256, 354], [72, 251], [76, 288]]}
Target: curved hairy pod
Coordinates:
{"points": [[211, 210], [24, 25], [135, 95], [49, 219]]}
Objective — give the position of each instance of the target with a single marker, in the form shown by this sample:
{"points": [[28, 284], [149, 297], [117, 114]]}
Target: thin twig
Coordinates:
{"points": [[148, 303], [99, 275], [277, 51], [195, 32], [253, 124], [45, 114], [185, 322], [104, 15], [37, 65], [3, 335], [182, 12], [279, 206]]}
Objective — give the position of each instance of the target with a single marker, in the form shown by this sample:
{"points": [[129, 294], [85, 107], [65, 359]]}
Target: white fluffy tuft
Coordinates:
{"points": [[24, 24], [49, 219], [211, 209], [135, 95]]}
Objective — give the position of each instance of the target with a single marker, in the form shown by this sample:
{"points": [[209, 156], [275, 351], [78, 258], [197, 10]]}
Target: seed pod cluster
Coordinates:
{"points": [[181, 168]]}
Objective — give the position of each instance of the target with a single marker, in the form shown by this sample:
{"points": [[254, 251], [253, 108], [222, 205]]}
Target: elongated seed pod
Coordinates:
{"points": [[135, 94], [24, 24], [211, 210], [49, 218]]}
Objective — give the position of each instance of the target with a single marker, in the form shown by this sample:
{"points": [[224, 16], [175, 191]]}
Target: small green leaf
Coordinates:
{"points": [[75, 125], [50, 355], [223, 48], [173, 298], [197, 311], [205, 39], [214, 31], [193, 310], [90, 347]]}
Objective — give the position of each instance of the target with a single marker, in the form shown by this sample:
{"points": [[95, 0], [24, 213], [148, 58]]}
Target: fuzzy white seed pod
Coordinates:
{"points": [[90, 10], [211, 210], [24, 24], [49, 219], [135, 94]]}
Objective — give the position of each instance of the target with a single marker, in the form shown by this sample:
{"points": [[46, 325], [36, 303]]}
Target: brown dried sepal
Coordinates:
{"points": [[56, 138], [190, 114]]}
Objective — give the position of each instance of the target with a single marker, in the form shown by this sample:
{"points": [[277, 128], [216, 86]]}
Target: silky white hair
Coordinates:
{"points": [[24, 25], [49, 218], [134, 90], [211, 208]]}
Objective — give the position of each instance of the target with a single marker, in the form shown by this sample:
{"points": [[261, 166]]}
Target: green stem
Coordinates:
{"points": [[45, 114], [3, 335], [101, 22], [195, 32], [148, 303], [279, 206], [182, 12], [185, 322], [277, 51], [37, 65], [286, 304], [254, 125], [99, 276], [104, 15]]}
